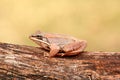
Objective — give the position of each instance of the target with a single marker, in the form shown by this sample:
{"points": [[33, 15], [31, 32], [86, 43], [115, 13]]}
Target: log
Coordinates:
{"points": [[21, 62]]}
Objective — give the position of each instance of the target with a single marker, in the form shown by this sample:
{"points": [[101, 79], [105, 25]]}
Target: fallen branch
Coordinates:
{"points": [[27, 62]]}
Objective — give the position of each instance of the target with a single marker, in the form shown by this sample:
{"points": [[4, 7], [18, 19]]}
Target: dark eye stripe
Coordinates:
{"points": [[39, 38]]}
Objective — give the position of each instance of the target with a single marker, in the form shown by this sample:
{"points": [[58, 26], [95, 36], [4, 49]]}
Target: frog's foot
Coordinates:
{"points": [[54, 49], [75, 48]]}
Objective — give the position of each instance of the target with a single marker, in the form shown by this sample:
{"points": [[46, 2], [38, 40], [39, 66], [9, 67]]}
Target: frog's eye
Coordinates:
{"points": [[39, 37]]}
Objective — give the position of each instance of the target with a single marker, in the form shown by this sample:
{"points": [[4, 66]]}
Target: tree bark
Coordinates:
{"points": [[21, 62]]}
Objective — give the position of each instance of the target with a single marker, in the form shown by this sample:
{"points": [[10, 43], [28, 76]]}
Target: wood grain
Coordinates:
{"points": [[21, 62]]}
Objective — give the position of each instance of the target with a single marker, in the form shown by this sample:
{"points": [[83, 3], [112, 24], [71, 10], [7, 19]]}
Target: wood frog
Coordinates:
{"points": [[59, 44]]}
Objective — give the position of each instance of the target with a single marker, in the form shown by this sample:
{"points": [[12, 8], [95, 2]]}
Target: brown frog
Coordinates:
{"points": [[58, 43]]}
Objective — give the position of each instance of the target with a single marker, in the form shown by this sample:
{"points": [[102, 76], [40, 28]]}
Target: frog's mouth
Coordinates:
{"points": [[39, 40]]}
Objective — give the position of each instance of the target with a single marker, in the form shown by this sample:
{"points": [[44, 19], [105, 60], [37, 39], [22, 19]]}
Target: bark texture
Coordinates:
{"points": [[20, 62]]}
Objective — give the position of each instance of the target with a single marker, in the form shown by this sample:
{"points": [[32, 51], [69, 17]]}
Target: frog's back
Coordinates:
{"points": [[59, 39]]}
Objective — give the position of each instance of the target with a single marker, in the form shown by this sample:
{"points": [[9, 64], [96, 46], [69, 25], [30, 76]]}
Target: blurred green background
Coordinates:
{"points": [[97, 21]]}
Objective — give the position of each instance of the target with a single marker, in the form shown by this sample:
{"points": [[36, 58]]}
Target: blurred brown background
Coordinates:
{"points": [[97, 21]]}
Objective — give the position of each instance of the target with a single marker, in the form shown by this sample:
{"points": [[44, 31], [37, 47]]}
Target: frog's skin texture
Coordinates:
{"points": [[58, 43]]}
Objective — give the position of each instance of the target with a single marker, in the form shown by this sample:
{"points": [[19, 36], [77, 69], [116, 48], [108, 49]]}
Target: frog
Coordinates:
{"points": [[59, 44]]}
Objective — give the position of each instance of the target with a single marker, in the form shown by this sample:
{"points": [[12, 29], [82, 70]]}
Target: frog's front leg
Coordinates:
{"points": [[74, 48], [54, 49]]}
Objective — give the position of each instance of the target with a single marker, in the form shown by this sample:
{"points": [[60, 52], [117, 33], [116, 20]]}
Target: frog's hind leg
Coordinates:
{"points": [[75, 48], [54, 49]]}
